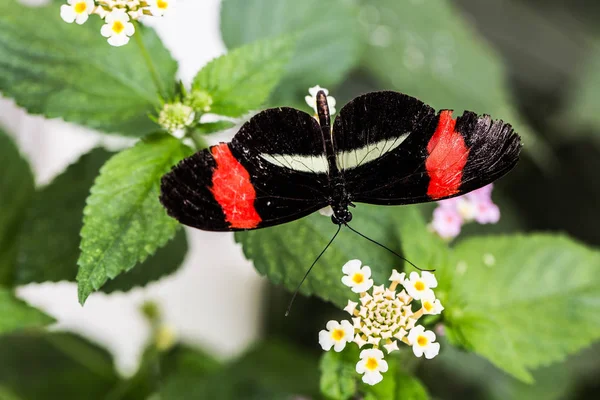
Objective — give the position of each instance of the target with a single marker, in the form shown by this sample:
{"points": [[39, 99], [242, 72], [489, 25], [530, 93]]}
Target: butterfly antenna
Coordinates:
{"points": [[308, 272], [387, 248]]}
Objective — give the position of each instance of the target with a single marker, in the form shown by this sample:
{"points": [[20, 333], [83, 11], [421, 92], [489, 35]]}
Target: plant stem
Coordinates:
{"points": [[148, 59]]}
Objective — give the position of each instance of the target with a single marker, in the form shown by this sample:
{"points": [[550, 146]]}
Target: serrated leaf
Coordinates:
{"points": [[69, 71], [16, 190], [339, 379], [43, 366], [124, 221], [49, 241], [429, 51], [164, 262], [15, 314], [522, 301], [243, 79], [284, 253], [329, 40]]}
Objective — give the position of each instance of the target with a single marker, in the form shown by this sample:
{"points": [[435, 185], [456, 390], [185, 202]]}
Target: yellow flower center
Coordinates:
{"points": [[118, 27], [371, 363], [358, 278], [80, 7], [419, 285], [427, 306], [337, 334], [422, 341], [162, 4]]}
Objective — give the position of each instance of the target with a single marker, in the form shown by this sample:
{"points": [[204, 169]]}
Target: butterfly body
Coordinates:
{"points": [[384, 148]]}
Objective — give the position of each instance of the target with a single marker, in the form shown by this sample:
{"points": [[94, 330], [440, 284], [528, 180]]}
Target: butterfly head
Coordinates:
{"points": [[341, 215]]}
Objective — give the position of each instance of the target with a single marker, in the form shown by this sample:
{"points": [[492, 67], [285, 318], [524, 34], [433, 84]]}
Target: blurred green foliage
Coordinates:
{"points": [[536, 304]]}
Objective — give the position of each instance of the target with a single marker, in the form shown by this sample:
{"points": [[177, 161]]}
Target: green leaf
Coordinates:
{"points": [[242, 80], [329, 40], [124, 221], [16, 314], [41, 366], [164, 262], [409, 387], [49, 241], [16, 190], [270, 371], [430, 52], [284, 253], [69, 71], [212, 127], [522, 301], [339, 379]]}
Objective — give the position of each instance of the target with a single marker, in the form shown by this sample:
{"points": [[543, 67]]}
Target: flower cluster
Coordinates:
{"points": [[451, 214], [383, 318], [117, 15]]}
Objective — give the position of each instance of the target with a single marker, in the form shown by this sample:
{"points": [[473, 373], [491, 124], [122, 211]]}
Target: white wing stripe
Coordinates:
{"points": [[345, 159]]}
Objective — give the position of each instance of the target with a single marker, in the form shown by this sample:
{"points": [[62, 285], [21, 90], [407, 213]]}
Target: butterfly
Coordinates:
{"points": [[384, 148]]}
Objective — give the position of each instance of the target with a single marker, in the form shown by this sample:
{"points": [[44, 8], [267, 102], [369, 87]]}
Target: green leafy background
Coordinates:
{"points": [[522, 326]]}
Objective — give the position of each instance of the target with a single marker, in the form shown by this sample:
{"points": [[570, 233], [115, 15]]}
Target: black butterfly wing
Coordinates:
{"points": [[393, 149], [272, 172]]}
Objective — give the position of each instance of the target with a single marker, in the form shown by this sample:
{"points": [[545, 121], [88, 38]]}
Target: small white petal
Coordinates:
{"points": [[378, 290], [361, 366], [351, 307], [67, 13], [363, 287], [400, 334], [418, 351], [359, 340], [391, 347], [429, 279], [365, 299], [331, 325], [81, 18], [372, 377], [325, 340], [432, 350], [397, 277], [118, 41], [339, 346], [348, 330], [351, 267]]}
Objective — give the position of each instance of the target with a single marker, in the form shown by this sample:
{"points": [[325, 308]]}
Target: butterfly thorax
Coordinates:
{"points": [[340, 200]]}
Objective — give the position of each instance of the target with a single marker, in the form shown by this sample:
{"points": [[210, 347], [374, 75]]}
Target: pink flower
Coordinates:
{"points": [[446, 222], [452, 213], [487, 213]]}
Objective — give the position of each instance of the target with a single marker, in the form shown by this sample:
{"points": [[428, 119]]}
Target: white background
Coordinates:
{"points": [[214, 300]]}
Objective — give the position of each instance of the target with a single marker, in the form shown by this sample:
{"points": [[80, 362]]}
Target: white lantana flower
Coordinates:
{"points": [[422, 342], [117, 29], [420, 286], [383, 318], [312, 99], [371, 364], [336, 335], [431, 305], [76, 11], [357, 278], [158, 8]]}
